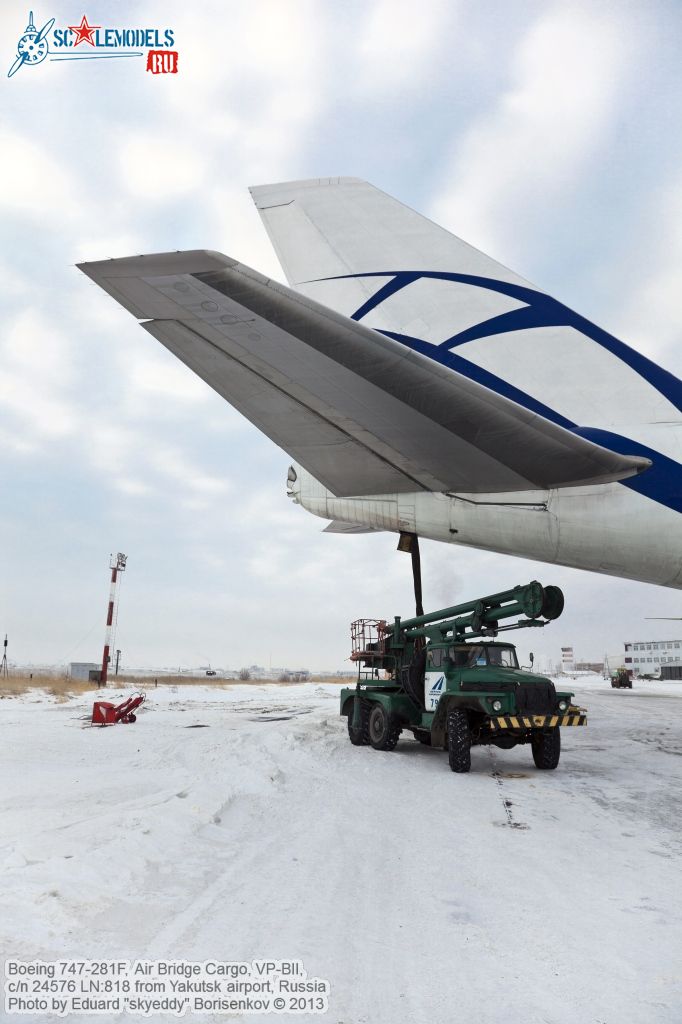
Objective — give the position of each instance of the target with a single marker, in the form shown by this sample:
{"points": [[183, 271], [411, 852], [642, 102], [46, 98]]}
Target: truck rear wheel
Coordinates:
{"points": [[459, 741], [546, 747], [383, 732], [358, 735]]}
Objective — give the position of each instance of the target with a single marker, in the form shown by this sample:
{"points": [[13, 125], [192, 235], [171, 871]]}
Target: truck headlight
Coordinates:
{"points": [[497, 705], [563, 705]]}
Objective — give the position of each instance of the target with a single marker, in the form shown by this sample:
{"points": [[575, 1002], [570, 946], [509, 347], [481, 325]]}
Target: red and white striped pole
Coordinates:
{"points": [[117, 565]]}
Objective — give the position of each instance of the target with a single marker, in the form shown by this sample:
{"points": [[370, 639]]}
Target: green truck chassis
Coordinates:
{"points": [[453, 687]]}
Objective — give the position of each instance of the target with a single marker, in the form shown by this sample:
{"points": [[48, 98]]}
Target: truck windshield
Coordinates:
{"points": [[505, 656], [467, 656], [475, 655]]}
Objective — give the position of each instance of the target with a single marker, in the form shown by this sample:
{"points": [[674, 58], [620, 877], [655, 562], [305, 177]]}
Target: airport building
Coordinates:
{"points": [[647, 657], [83, 670]]}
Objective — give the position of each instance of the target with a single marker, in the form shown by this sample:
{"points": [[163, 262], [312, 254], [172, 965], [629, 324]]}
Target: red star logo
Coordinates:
{"points": [[84, 32]]}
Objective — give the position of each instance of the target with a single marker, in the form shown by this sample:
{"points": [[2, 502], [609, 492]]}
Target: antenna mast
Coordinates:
{"points": [[117, 565], [3, 668]]}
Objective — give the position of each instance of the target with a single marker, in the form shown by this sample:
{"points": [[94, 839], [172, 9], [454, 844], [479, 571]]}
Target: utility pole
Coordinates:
{"points": [[4, 671], [118, 658], [117, 565]]}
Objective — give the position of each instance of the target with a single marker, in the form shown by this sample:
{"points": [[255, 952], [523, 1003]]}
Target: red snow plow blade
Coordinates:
{"points": [[104, 713]]}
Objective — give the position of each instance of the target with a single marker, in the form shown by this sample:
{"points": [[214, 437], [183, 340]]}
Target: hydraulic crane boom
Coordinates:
{"points": [[477, 618]]}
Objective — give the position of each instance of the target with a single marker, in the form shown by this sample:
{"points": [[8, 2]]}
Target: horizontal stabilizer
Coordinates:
{"points": [[337, 526], [363, 413]]}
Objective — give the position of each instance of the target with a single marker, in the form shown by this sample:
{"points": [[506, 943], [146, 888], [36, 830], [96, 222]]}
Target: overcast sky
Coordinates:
{"points": [[545, 133]]}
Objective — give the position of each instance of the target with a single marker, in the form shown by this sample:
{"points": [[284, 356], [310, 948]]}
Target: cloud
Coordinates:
{"points": [[238, 229], [256, 96], [34, 180], [17, 443], [129, 485], [651, 317], [112, 448], [148, 175], [139, 461], [35, 346], [37, 377], [197, 486], [12, 284], [152, 377], [518, 159], [96, 241], [37, 407], [398, 43]]}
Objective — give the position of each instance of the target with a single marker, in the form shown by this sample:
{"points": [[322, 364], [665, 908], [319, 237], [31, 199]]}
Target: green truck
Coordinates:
{"points": [[621, 679], [447, 678]]}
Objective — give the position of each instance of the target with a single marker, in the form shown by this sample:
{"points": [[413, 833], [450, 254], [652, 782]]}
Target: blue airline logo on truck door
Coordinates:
{"points": [[434, 690]]}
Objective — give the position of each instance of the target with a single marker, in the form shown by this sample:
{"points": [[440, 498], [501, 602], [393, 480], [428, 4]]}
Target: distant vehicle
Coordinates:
{"points": [[621, 679], [422, 387], [211, 672]]}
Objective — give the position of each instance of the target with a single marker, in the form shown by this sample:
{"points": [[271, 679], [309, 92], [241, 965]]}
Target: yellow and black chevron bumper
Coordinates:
{"points": [[574, 716]]}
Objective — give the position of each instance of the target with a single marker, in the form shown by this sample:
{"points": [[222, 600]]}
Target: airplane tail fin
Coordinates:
{"points": [[359, 251]]}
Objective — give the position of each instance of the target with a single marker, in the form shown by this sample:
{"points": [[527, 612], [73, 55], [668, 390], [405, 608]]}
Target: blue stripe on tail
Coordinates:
{"points": [[541, 310], [662, 482]]}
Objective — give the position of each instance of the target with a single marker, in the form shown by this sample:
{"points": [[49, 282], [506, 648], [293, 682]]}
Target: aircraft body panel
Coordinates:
{"points": [[595, 528]]}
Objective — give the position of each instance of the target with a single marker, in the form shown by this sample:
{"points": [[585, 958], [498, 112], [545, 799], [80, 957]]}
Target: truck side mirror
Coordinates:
{"points": [[532, 659]]}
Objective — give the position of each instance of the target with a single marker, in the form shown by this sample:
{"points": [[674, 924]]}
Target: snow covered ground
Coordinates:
{"points": [[519, 896]]}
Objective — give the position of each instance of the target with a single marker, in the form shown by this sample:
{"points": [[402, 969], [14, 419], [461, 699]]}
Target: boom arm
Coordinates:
{"points": [[481, 617]]}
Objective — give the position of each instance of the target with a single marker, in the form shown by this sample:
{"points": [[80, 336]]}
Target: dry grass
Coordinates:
{"points": [[60, 687], [336, 680], [63, 687], [147, 682]]}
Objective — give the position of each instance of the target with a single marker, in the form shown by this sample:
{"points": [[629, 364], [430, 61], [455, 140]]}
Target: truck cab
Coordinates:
{"points": [[487, 677], [503, 704], [465, 666]]}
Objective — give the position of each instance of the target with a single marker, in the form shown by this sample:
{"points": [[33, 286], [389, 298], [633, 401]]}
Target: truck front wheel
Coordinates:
{"points": [[546, 747], [383, 732], [459, 741]]}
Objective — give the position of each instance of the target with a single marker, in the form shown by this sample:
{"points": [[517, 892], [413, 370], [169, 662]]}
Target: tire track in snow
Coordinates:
{"points": [[506, 802]]}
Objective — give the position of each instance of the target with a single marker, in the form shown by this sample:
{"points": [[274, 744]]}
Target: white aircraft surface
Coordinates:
{"points": [[422, 387]]}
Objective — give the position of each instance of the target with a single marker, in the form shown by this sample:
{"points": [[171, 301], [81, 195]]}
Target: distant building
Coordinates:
{"points": [[647, 657], [590, 666], [567, 659], [82, 670]]}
